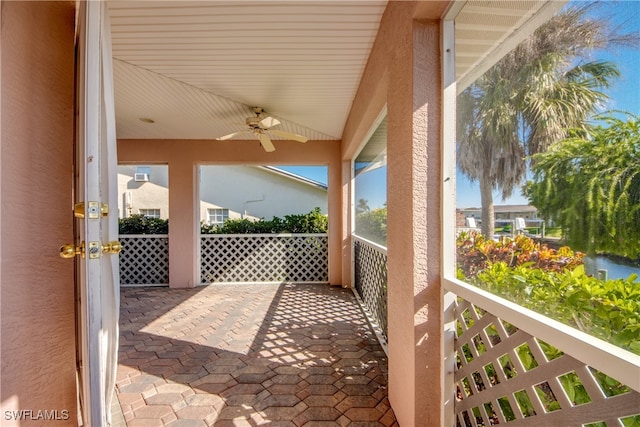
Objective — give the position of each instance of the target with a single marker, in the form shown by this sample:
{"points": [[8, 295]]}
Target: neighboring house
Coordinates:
{"points": [[143, 190], [515, 211], [502, 212], [226, 192], [520, 216]]}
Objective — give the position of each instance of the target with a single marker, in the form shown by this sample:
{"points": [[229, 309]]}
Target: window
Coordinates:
{"points": [[370, 185], [217, 216], [142, 174], [150, 213]]}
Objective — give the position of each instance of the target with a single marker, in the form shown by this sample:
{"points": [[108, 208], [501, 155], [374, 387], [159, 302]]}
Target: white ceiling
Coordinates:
{"points": [[487, 29], [197, 67]]}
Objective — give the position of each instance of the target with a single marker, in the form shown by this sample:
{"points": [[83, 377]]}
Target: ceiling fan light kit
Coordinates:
{"points": [[259, 126]]}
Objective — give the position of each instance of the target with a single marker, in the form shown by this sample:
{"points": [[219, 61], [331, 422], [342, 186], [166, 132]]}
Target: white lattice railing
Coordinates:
{"points": [[518, 367], [243, 258], [144, 259], [371, 280]]}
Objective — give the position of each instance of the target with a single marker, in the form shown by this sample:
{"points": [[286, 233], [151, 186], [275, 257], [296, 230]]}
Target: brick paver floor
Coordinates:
{"points": [[249, 355]]}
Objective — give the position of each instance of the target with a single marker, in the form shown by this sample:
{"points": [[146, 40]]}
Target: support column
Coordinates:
{"points": [[345, 236], [414, 226], [334, 209], [184, 250]]}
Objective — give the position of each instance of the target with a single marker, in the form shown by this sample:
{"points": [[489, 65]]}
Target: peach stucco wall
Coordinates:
{"points": [[37, 286], [183, 158], [404, 73]]}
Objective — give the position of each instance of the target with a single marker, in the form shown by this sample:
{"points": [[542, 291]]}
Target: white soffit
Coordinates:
{"points": [[486, 30], [196, 67]]}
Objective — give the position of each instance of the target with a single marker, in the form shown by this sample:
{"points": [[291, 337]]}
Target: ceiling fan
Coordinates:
{"points": [[259, 125]]}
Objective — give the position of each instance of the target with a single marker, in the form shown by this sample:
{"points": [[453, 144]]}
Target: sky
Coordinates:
{"points": [[316, 173], [624, 95]]}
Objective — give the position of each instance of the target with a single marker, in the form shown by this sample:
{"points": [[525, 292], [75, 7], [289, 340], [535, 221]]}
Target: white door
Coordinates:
{"points": [[96, 212]]}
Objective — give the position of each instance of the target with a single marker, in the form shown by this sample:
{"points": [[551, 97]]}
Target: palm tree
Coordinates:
{"points": [[362, 206], [530, 99]]}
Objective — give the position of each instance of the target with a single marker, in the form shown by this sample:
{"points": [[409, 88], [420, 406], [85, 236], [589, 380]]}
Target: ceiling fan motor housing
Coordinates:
{"points": [[253, 122], [259, 125]]}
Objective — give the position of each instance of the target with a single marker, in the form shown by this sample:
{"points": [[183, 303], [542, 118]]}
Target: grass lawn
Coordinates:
{"points": [[553, 232]]}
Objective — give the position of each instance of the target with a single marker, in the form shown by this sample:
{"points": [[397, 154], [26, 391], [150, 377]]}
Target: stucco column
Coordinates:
{"points": [[184, 220], [414, 221], [345, 236], [334, 209]]}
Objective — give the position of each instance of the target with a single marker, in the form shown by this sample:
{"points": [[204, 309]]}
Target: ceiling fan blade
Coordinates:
{"points": [[268, 122], [266, 143], [231, 135], [289, 135]]}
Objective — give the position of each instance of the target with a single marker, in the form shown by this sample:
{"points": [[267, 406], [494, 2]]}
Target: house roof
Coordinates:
{"points": [[296, 177], [194, 69]]}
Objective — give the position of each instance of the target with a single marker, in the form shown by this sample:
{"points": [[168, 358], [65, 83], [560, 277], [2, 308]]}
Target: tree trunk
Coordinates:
{"points": [[486, 197]]}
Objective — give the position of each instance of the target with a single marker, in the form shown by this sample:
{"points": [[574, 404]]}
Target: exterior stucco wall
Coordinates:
{"points": [[404, 73], [232, 186], [414, 186], [37, 325]]}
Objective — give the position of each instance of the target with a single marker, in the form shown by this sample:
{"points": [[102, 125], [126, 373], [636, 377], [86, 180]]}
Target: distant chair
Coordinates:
{"points": [[470, 222], [520, 225]]}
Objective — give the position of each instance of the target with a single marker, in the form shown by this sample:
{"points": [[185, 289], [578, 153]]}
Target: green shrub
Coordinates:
{"points": [[140, 224], [555, 284], [609, 310], [313, 222], [372, 225]]}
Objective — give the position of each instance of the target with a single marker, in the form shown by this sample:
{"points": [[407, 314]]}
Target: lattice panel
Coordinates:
{"points": [[371, 281], [505, 375], [144, 260], [264, 258]]}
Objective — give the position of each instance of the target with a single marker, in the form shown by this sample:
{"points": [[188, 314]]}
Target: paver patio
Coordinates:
{"points": [[249, 355]]}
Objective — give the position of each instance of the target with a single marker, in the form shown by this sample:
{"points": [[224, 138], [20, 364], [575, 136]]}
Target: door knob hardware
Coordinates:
{"points": [[113, 247], [95, 210], [70, 250], [94, 249]]}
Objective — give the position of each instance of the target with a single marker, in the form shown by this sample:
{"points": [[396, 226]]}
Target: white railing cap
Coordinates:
{"points": [[368, 242]]}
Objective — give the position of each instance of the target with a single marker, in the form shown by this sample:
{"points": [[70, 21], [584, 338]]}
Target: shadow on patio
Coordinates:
{"points": [[248, 355]]}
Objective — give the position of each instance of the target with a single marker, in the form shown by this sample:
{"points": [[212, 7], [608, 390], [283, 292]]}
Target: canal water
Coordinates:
{"points": [[615, 270]]}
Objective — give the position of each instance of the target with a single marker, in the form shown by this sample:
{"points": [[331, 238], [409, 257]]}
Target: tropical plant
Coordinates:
{"points": [[476, 253], [530, 98], [590, 186], [362, 206]]}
